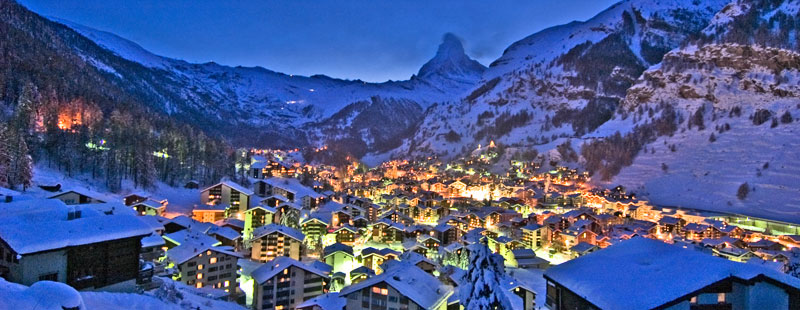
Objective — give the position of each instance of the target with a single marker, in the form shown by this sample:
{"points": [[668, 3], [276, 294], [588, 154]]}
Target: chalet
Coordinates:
{"points": [[227, 193], [226, 236], [765, 244], [204, 266], [582, 249], [340, 256], [74, 248], [671, 225], [209, 213], [388, 232], [316, 225], [526, 259], [733, 253], [192, 184], [153, 248], [296, 192], [150, 207], [447, 233], [274, 240], [190, 235], [285, 283], [532, 236], [663, 276], [77, 197], [345, 234], [360, 274], [402, 287], [372, 258], [329, 301], [256, 217]]}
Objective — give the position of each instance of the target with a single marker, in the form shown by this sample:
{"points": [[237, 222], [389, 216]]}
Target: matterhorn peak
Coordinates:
{"points": [[451, 61]]}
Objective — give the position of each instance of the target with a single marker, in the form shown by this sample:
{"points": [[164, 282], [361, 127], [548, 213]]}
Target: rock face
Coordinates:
{"points": [[564, 81]]}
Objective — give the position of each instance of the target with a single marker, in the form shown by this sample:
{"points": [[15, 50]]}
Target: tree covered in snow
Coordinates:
{"points": [[290, 218], [482, 289]]}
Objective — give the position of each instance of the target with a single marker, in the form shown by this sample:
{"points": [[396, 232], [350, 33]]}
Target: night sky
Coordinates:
{"points": [[371, 40]]}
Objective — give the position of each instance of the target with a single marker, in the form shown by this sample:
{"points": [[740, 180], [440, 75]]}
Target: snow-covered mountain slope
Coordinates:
{"points": [[716, 116], [736, 108], [278, 109], [563, 81]]}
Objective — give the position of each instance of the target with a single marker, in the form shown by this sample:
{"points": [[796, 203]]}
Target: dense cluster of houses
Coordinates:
{"points": [[396, 236]]}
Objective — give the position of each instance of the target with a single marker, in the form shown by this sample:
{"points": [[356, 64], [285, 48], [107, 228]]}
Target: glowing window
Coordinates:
{"points": [[376, 290], [199, 276], [226, 284], [384, 291], [200, 267], [721, 298], [199, 285], [286, 271], [213, 260]]}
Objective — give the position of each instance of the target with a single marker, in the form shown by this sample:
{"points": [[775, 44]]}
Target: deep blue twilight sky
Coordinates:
{"points": [[372, 40]]}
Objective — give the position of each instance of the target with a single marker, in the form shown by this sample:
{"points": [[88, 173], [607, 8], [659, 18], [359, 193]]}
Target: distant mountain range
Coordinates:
{"points": [[684, 101]]}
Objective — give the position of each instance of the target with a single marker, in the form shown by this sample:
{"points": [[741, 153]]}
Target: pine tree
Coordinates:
{"points": [[290, 218], [482, 290], [5, 158]]}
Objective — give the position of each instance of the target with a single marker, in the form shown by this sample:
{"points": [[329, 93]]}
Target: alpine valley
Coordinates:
{"points": [[683, 101]]}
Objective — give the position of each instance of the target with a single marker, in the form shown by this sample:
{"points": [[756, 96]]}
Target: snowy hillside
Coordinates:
{"points": [[737, 108], [280, 109], [563, 81]]}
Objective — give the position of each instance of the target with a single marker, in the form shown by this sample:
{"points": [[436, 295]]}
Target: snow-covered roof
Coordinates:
{"points": [[337, 247], [271, 228], [655, 273], [225, 232], [152, 240], [275, 266], [329, 301], [294, 186], [191, 236], [232, 185], [187, 251], [25, 236], [410, 281]]}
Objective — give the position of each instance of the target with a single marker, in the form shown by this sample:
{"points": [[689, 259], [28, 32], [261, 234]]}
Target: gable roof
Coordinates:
{"points": [[184, 252], [410, 281], [294, 186], [26, 237], [270, 269], [232, 185], [650, 280], [272, 228]]}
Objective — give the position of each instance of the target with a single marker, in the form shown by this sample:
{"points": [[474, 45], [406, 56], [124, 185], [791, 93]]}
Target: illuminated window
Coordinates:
{"points": [[208, 252], [213, 260], [693, 300], [200, 267], [199, 276], [199, 285], [226, 284], [376, 290], [286, 271], [721, 298], [384, 291]]}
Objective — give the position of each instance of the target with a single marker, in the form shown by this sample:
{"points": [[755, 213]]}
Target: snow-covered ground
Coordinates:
{"points": [[181, 200], [48, 295]]}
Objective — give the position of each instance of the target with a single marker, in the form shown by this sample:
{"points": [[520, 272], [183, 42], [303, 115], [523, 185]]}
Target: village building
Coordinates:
{"points": [[641, 274], [402, 287], [285, 283], [271, 241], [204, 266], [230, 194]]}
